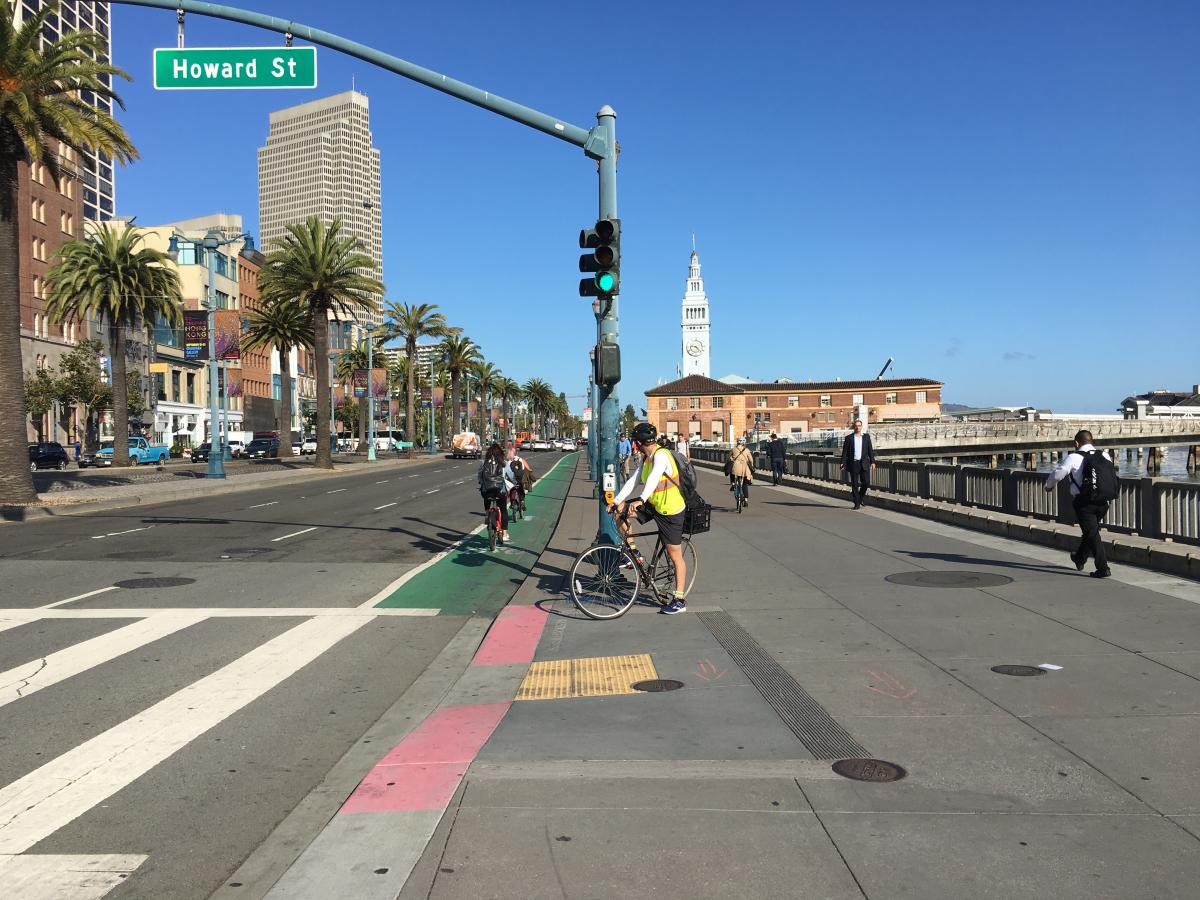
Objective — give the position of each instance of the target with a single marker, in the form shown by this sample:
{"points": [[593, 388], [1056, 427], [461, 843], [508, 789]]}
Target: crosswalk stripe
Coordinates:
{"points": [[21, 681], [15, 617], [103, 590], [45, 876], [37, 805]]}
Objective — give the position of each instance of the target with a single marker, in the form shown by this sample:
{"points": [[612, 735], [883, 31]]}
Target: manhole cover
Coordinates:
{"points": [[869, 770], [948, 579], [657, 685], [1018, 670], [244, 552], [138, 554], [135, 583]]}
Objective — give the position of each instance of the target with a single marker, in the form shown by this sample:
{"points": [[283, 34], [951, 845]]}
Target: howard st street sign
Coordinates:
{"points": [[234, 68]]}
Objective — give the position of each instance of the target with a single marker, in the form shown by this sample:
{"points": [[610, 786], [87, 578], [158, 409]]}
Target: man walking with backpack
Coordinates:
{"points": [[1094, 484]]}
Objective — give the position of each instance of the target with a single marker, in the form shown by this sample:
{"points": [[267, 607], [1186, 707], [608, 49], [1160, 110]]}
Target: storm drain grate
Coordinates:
{"points": [[135, 583], [948, 579], [1008, 669], [808, 720]]}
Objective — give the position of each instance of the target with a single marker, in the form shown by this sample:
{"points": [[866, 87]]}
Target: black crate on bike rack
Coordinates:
{"points": [[698, 519]]}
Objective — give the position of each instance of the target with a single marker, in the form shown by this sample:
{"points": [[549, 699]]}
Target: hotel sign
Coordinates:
{"points": [[234, 68]]}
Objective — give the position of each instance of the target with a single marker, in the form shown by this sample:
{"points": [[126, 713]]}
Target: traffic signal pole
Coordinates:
{"points": [[598, 143]]}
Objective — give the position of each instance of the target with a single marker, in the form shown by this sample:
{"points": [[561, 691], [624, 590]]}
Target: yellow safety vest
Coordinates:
{"points": [[667, 499]]}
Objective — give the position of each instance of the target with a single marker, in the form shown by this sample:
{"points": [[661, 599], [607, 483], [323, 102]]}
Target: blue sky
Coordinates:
{"points": [[1005, 196]]}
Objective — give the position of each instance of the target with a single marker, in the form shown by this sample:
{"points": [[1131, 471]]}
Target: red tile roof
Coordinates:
{"points": [[698, 384]]}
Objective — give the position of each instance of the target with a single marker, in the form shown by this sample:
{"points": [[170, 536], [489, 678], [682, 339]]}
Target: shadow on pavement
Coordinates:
{"points": [[977, 561]]}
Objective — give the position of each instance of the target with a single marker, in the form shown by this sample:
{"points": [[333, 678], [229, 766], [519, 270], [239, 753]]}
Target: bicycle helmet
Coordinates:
{"points": [[741, 442], [644, 433]]}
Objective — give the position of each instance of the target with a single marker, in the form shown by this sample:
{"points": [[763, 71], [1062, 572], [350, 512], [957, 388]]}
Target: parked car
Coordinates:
{"points": [[140, 451], [200, 453], [309, 446], [236, 447], [540, 444], [566, 445], [47, 455], [263, 448], [526, 445]]}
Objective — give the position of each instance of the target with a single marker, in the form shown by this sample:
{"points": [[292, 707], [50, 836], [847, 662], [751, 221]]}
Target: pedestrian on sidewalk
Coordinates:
{"points": [[858, 457], [741, 465], [681, 447], [624, 449], [777, 452], [1093, 484]]}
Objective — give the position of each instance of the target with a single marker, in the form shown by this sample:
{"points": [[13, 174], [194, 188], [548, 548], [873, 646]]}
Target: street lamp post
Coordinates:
{"points": [[333, 429], [370, 395]]}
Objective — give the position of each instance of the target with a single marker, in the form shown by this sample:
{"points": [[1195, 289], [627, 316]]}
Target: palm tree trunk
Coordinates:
{"points": [[364, 410], [410, 414], [120, 394], [324, 459], [456, 402], [16, 482], [285, 400]]}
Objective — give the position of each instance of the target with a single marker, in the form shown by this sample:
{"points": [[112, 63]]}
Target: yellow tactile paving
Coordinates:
{"points": [[594, 676]]}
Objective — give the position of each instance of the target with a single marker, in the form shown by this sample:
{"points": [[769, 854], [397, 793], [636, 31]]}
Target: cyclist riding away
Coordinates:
{"points": [[515, 474], [741, 465], [492, 485], [660, 500]]}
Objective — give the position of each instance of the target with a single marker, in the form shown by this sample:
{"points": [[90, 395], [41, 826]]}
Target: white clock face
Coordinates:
{"points": [[695, 348]]}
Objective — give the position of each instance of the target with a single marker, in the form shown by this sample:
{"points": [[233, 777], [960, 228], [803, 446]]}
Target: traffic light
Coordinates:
{"points": [[604, 259]]}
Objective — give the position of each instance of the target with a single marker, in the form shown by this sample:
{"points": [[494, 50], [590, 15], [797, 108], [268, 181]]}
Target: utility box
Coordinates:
{"points": [[608, 364]]}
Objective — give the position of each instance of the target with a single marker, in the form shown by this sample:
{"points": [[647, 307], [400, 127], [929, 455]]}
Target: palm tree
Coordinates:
{"points": [[540, 395], [486, 374], [508, 390], [461, 354], [351, 360], [280, 324], [413, 322], [108, 276], [442, 380], [41, 82], [321, 269], [398, 375]]}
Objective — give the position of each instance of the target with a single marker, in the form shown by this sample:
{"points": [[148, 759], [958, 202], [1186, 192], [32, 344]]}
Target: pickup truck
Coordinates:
{"points": [[140, 451]]}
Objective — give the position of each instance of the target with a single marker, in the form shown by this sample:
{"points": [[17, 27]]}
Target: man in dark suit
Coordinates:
{"points": [[858, 456], [777, 453]]}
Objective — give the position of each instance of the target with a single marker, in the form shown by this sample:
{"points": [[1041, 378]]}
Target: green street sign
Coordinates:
{"points": [[234, 68]]}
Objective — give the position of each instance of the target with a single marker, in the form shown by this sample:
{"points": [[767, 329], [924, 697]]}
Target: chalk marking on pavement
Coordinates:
{"points": [[261, 505], [294, 534], [34, 807], [27, 679], [105, 590], [97, 537], [336, 491], [46, 876], [385, 506]]}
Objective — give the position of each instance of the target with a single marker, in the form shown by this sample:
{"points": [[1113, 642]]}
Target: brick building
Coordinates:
{"points": [[707, 408]]}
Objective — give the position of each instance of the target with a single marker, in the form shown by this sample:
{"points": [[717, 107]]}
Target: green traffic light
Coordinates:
{"points": [[605, 281]]}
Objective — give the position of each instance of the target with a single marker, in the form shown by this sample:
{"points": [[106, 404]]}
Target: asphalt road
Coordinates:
{"points": [[178, 698]]}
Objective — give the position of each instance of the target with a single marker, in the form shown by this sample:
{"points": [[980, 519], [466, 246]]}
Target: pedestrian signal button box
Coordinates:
{"points": [[610, 481]]}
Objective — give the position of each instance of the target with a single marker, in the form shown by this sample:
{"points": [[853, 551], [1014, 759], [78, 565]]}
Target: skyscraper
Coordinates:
{"points": [[319, 160]]}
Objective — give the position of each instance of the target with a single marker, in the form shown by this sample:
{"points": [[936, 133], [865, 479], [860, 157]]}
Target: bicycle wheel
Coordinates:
{"points": [[600, 586], [738, 497], [493, 526], [662, 569]]}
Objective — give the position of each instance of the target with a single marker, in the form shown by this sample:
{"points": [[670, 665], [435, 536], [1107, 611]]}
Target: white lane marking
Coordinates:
{"points": [[293, 534], [417, 570], [261, 505], [385, 506], [34, 807], [24, 616], [414, 476], [6, 624], [434, 491], [435, 471], [27, 679], [385, 481], [111, 587], [336, 491], [97, 537], [47, 876]]}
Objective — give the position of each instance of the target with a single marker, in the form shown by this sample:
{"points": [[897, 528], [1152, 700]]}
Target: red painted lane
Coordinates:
{"points": [[423, 771], [513, 637]]}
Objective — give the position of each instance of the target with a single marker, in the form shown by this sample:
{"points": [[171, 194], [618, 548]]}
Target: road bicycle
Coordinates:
{"points": [[493, 520], [739, 493], [605, 579]]}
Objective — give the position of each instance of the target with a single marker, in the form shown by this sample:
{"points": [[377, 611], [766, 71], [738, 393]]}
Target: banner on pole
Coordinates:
{"points": [[379, 383], [359, 378], [195, 334], [228, 336]]}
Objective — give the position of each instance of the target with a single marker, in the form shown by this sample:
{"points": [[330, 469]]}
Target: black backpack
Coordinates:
{"points": [[1098, 480], [491, 477], [516, 466]]}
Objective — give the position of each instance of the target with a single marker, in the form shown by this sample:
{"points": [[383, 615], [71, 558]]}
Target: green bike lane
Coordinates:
{"points": [[470, 579]]}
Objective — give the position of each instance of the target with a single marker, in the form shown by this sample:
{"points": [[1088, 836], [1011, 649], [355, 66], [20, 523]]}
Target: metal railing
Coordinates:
{"points": [[1150, 507]]}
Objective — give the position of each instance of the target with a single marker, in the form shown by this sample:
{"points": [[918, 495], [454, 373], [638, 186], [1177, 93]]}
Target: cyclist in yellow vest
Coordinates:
{"points": [[660, 499]]}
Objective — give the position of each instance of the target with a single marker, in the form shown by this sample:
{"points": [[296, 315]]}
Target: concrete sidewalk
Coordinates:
{"points": [[1076, 783]]}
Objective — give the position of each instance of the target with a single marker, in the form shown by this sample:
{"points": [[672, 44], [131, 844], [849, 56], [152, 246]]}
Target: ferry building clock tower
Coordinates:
{"points": [[695, 321]]}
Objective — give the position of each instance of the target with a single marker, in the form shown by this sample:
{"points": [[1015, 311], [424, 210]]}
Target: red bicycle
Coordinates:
{"points": [[493, 520]]}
